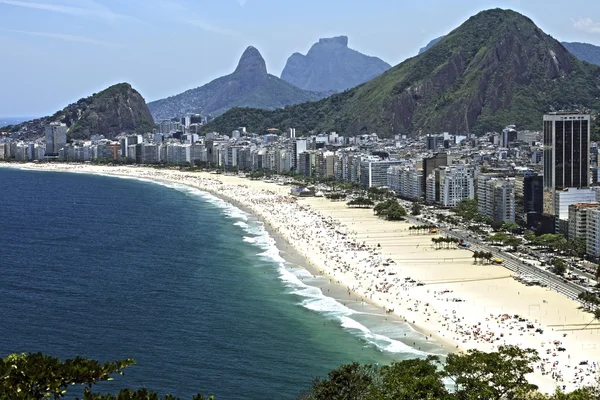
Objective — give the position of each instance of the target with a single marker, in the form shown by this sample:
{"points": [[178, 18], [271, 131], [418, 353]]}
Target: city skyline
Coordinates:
{"points": [[62, 50]]}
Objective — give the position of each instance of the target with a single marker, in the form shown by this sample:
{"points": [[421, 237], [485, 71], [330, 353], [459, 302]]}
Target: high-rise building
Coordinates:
{"points": [[450, 185], [509, 134], [431, 163], [566, 154], [300, 145], [56, 137], [593, 232], [373, 172], [405, 181], [578, 219], [533, 193]]}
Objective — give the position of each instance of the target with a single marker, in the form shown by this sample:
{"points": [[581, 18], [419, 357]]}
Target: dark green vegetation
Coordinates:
{"points": [[390, 210], [330, 65], [584, 51], [495, 69], [248, 86], [430, 45], [474, 375], [38, 376], [115, 110]]}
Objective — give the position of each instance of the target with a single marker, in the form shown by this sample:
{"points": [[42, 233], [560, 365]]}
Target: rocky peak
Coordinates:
{"points": [[330, 65], [252, 64], [339, 40]]}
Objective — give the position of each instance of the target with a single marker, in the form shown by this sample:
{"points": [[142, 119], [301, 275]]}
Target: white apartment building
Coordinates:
{"points": [[496, 197], [593, 232], [373, 172], [406, 181], [450, 185], [456, 184], [578, 219]]}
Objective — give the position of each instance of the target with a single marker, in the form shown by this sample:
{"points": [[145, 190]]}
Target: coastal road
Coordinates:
{"points": [[552, 281]]}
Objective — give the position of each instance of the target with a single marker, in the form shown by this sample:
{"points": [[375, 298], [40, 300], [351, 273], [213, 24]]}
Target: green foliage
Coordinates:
{"points": [[475, 375], [559, 267], [349, 382], [482, 255], [466, 209], [390, 210], [410, 379], [498, 375], [361, 202], [38, 376], [416, 209]]}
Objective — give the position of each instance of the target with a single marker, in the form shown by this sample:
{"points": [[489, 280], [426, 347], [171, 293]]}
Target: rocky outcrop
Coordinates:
{"points": [[248, 86], [116, 110], [330, 65]]}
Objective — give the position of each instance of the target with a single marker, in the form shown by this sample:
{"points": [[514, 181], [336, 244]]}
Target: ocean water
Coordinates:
{"points": [[189, 286]]}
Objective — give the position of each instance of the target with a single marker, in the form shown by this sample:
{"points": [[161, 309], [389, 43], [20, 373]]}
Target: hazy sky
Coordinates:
{"points": [[54, 52]]}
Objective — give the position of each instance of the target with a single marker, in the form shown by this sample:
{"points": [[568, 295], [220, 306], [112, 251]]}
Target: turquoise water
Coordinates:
{"points": [[189, 286]]}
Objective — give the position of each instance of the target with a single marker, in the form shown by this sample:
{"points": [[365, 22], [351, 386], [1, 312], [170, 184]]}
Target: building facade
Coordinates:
{"points": [[566, 154]]}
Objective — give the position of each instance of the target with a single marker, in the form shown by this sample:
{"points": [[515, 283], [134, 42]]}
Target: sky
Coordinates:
{"points": [[54, 52]]}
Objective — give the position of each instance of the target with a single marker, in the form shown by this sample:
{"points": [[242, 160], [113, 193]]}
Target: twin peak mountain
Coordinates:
{"points": [[329, 67]]}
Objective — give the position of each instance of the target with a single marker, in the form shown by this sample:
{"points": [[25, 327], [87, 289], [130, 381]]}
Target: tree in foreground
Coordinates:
{"points": [[475, 375], [38, 376]]}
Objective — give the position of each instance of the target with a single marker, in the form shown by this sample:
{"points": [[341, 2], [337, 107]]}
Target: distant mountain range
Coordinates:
{"points": [[583, 51], [248, 86], [5, 121], [330, 65], [497, 68], [115, 110]]}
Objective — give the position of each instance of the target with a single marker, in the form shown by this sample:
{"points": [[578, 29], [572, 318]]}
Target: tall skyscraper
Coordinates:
{"points": [[56, 137], [566, 154]]}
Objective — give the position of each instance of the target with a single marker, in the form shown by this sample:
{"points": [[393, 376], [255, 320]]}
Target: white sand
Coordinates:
{"points": [[352, 246]]}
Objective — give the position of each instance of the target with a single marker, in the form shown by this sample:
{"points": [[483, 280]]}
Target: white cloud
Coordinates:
{"points": [[207, 26], [60, 36], [84, 8], [587, 25]]}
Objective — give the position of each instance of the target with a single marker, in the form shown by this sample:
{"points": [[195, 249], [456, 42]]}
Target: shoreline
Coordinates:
{"points": [[463, 304], [292, 256]]}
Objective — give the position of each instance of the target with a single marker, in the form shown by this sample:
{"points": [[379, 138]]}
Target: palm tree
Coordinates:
{"points": [[475, 257]]}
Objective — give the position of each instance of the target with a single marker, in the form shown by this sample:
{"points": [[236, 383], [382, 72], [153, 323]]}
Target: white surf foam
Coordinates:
{"points": [[381, 341]]}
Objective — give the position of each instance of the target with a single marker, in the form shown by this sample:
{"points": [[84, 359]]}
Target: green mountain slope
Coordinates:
{"points": [[584, 51], [115, 110], [497, 68], [248, 86]]}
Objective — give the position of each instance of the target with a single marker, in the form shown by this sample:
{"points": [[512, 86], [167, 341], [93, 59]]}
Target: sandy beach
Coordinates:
{"points": [[440, 291]]}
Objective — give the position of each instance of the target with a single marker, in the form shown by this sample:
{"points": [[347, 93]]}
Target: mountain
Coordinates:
{"points": [[330, 65], [248, 86], [115, 110], [584, 51], [497, 68], [430, 45]]}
